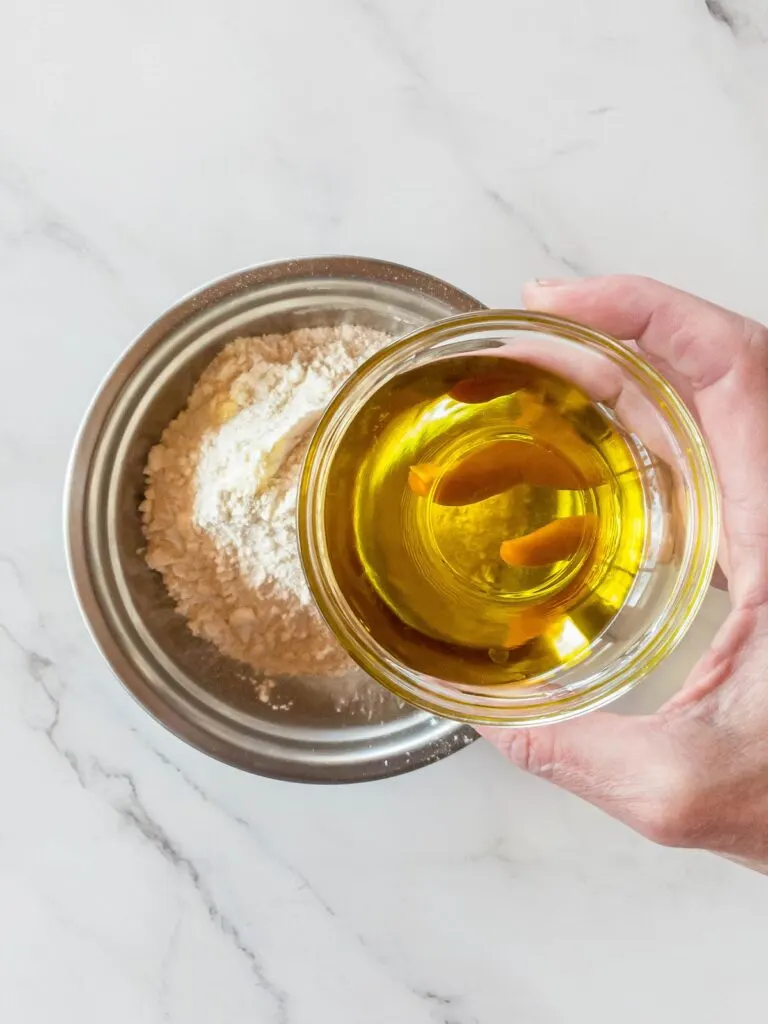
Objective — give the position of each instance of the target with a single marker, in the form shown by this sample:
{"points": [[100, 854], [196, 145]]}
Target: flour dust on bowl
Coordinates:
{"points": [[180, 520], [508, 518]]}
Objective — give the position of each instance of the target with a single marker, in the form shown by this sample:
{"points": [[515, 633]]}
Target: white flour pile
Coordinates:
{"points": [[220, 506]]}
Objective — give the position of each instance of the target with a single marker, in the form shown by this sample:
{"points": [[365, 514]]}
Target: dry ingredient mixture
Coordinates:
{"points": [[220, 505]]}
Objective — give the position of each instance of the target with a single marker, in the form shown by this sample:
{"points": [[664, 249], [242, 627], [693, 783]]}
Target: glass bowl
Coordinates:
{"points": [[681, 529]]}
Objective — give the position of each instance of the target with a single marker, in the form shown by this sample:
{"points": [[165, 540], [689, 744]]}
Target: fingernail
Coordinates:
{"points": [[551, 282]]}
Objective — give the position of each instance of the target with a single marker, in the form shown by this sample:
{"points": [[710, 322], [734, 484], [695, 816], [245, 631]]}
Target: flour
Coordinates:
{"points": [[220, 505]]}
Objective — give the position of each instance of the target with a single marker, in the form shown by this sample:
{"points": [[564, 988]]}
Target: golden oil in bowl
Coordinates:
{"points": [[488, 519], [508, 518]]}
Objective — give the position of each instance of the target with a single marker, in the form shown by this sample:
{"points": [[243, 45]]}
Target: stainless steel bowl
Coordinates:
{"points": [[208, 700]]}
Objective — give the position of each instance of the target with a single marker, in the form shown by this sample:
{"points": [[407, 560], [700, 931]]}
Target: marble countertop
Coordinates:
{"points": [[147, 147]]}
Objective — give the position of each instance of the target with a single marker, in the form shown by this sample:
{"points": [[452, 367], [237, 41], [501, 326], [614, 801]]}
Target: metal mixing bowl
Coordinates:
{"points": [[334, 731]]}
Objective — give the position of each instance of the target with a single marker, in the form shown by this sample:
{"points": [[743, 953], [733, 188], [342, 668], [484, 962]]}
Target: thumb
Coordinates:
{"points": [[626, 766]]}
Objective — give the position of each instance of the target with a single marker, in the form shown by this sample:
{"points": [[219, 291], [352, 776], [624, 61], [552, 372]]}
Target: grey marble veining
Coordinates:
{"points": [[146, 148]]}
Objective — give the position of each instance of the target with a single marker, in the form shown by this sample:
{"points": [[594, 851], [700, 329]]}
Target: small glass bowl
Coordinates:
{"points": [[682, 517]]}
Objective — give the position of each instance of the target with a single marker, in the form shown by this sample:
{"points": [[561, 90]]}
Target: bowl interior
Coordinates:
{"points": [[678, 533], [312, 729]]}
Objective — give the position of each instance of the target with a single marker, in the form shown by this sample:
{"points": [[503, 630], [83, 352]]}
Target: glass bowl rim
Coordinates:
{"points": [[607, 684]]}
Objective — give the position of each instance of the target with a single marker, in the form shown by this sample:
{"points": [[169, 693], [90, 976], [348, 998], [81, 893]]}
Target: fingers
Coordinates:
{"points": [[691, 775], [696, 339], [718, 361], [600, 379], [625, 766]]}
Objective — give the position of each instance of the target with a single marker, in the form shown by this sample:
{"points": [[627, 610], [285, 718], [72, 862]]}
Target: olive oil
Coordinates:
{"points": [[485, 519]]}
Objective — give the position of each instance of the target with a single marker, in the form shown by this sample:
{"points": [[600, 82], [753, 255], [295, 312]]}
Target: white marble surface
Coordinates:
{"points": [[147, 147]]}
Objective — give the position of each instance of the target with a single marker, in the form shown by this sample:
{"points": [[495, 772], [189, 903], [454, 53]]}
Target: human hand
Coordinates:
{"points": [[695, 773]]}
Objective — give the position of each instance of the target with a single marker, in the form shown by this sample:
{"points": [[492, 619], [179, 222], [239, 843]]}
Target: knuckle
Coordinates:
{"points": [[529, 749], [756, 338], [750, 354]]}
